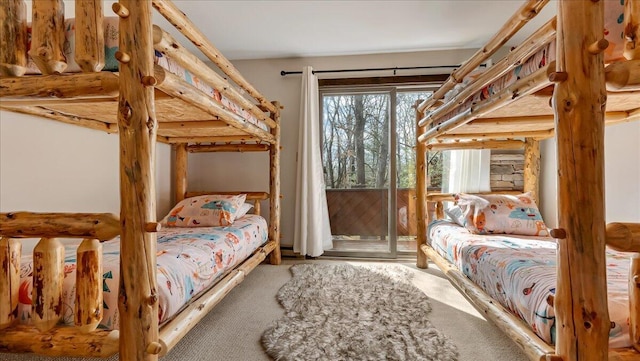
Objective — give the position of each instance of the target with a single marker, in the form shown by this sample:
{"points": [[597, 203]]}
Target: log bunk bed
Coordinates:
{"points": [[143, 103], [571, 97]]}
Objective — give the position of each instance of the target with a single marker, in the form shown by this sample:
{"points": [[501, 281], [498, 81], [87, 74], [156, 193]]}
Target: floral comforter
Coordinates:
{"points": [[520, 273], [189, 261]]}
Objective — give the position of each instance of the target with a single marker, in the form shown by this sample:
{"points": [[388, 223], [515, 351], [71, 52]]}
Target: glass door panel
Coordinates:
{"points": [[355, 150]]}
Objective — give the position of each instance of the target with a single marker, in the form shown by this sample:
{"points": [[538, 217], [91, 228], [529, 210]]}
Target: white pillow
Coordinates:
{"points": [[455, 214], [243, 209]]}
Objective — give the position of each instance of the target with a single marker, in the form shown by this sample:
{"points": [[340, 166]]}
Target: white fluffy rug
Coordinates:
{"points": [[345, 312]]}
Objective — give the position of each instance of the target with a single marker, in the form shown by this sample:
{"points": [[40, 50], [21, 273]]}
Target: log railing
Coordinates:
{"points": [[47, 53], [45, 336], [526, 12]]}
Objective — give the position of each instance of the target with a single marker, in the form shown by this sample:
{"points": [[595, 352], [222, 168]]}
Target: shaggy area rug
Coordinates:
{"points": [[345, 312]]}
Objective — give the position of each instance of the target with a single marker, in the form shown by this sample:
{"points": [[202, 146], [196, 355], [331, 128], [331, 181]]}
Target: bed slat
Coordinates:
{"points": [[47, 36], [10, 253], [88, 307], [48, 276], [13, 37], [89, 35]]}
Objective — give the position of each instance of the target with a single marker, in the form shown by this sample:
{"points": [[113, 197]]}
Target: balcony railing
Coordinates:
{"points": [[364, 212]]}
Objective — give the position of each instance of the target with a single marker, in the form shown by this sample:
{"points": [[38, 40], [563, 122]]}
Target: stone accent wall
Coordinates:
{"points": [[507, 172]]}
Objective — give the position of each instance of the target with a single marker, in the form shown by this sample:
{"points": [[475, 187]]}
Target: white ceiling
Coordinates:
{"points": [[254, 29]]}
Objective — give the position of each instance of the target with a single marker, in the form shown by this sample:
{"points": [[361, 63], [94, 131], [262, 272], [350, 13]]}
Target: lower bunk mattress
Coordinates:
{"points": [[520, 273], [189, 261]]}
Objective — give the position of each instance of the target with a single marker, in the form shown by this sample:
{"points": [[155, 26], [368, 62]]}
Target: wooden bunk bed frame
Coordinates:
{"points": [[567, 98], [151, 105]]}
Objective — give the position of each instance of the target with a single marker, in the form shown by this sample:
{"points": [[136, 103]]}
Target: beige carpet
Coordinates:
{"points": [[231, 332]]}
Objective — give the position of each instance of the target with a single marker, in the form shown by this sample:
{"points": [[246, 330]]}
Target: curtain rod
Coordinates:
{"points": [[283, 73]]}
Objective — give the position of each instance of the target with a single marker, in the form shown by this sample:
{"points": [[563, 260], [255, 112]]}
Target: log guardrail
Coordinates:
{"points": [[47, 43], [44, 336], [526, 12]]}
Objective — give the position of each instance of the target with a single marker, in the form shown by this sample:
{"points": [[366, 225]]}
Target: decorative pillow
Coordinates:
{"points": [[244, 209], [205, 211], [455, 214], [490, 214]]}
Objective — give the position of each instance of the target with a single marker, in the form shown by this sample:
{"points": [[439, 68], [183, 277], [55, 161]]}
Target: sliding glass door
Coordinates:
{"points": [[369, 169]]}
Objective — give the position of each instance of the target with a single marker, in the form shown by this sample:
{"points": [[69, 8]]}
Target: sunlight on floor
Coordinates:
{"points": [[433, 283]]}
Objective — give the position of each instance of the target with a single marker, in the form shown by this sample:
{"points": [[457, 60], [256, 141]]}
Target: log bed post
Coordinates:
{"points": [[582, 315], [274, 187], [10, 254], [181, 165], [13, 37], [421, 154], [532, 168], [138, 297]]}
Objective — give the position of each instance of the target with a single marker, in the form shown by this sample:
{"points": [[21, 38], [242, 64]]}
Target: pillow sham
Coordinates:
{"points": [[205, 211], [244, 209], [497, 213]]}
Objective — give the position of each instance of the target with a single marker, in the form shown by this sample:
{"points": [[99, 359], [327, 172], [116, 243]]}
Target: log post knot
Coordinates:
{"points": [[153, 299], [125, 111]]}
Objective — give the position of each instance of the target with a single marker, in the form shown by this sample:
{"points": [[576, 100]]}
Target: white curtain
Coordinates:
{"points": [[469, 171], [312, 234]]}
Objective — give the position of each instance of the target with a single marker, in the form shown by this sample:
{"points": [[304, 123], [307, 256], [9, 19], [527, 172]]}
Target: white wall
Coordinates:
{"points": [[48, 166], [622, 175], [251, 170]]}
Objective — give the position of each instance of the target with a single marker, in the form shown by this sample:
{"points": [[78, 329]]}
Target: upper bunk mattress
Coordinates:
{"points": [[520, 273], [111, 39], [189, 261]]}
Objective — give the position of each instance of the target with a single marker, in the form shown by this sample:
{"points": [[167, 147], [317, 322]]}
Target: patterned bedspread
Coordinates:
{"points": [[189, 261], [520, 273]]}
